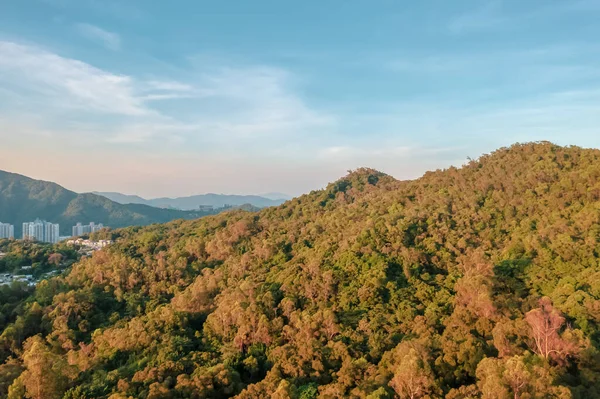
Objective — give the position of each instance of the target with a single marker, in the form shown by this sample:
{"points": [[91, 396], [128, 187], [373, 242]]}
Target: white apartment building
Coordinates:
{"points": [[7, 230], [51, 232], [41, 231], [80, 229]]}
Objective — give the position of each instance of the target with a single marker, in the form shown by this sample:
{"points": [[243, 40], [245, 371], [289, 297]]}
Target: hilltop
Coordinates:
{"points": [[24, 199], [472, 282]]}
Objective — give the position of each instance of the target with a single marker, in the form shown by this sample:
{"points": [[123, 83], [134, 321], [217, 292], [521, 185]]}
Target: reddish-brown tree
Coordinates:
{"points": [[546, 324]]}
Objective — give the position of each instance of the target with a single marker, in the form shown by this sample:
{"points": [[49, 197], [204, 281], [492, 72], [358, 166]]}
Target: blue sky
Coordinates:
{"points": [[182, 97]]}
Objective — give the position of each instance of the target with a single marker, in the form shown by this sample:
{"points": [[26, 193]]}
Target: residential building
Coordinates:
{"points": [[51, 232], [42, 231], [7, 230], [79, 229]]}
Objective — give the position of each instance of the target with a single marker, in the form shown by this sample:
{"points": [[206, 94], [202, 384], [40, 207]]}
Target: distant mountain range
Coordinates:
{"points": [[23, 199], [195, 201], [276, 196]]}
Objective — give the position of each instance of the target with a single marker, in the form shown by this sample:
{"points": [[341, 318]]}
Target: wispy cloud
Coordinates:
{"points": [[217, 103], [110, 40], [169, 85], [67, 82], [258, 102]]}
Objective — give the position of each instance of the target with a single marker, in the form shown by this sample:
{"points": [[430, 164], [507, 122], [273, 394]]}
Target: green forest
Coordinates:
{"points": [[474, 282], [41, 257]]}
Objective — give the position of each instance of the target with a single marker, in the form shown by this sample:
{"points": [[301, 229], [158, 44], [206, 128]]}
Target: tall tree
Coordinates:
{"points": [[546, 324], [413, 378], [46, 374]]}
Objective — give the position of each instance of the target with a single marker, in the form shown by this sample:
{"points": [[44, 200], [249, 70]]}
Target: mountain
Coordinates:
{"points": [[123, 198], [276, 196], [23, 199], [194, 201], [472, 282]]}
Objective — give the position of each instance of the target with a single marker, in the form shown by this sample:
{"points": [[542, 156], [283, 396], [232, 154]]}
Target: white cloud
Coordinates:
{"points": [[67, 82], [169, 85], [218, 103], [110, 40], [258, 101]]}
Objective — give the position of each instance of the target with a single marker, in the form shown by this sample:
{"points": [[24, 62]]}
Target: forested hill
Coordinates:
{"points": [[23, 200], [478, 282]]}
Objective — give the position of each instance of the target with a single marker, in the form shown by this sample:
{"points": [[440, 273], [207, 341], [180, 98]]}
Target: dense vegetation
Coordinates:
{"points": [[479, 282], [42, 257], [23, 200], [38, 258]]}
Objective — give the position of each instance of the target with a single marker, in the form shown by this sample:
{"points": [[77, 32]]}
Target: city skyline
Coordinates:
{"points": [[44, 231]]}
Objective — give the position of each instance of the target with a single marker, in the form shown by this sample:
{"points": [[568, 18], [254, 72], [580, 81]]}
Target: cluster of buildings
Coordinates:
{"points": [[7, 230], [210, 208], [25, 276], [42, 231], [79, 229], [89, 244], [8, 279]]}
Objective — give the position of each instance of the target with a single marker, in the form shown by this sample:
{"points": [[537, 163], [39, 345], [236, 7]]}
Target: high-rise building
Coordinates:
{"points": [[41, 231], [79, 229], [51, 232], [7, 230], [33, 230]]}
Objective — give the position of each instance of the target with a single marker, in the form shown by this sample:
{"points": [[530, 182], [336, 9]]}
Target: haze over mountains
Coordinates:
{"points": [[194, 201]]}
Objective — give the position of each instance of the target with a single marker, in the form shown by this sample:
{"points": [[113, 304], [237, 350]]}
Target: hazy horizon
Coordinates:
{"points": [[185, 98]]}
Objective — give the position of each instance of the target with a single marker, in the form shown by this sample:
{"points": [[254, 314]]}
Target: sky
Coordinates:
{"points": [[187, 97]]}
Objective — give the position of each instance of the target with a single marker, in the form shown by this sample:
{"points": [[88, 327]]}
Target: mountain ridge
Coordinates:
{"points": [[24, 199], [194, 201]]}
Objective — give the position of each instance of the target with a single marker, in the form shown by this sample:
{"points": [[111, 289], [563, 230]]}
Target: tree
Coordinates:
{"points": [[489, 379], [546, 323], [413, 378], [516, 375], [55, 259], [46, 374]]}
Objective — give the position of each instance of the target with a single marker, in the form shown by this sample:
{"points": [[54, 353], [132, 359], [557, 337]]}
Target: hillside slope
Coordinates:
{"points": [[23, 199], [479, 282]]}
